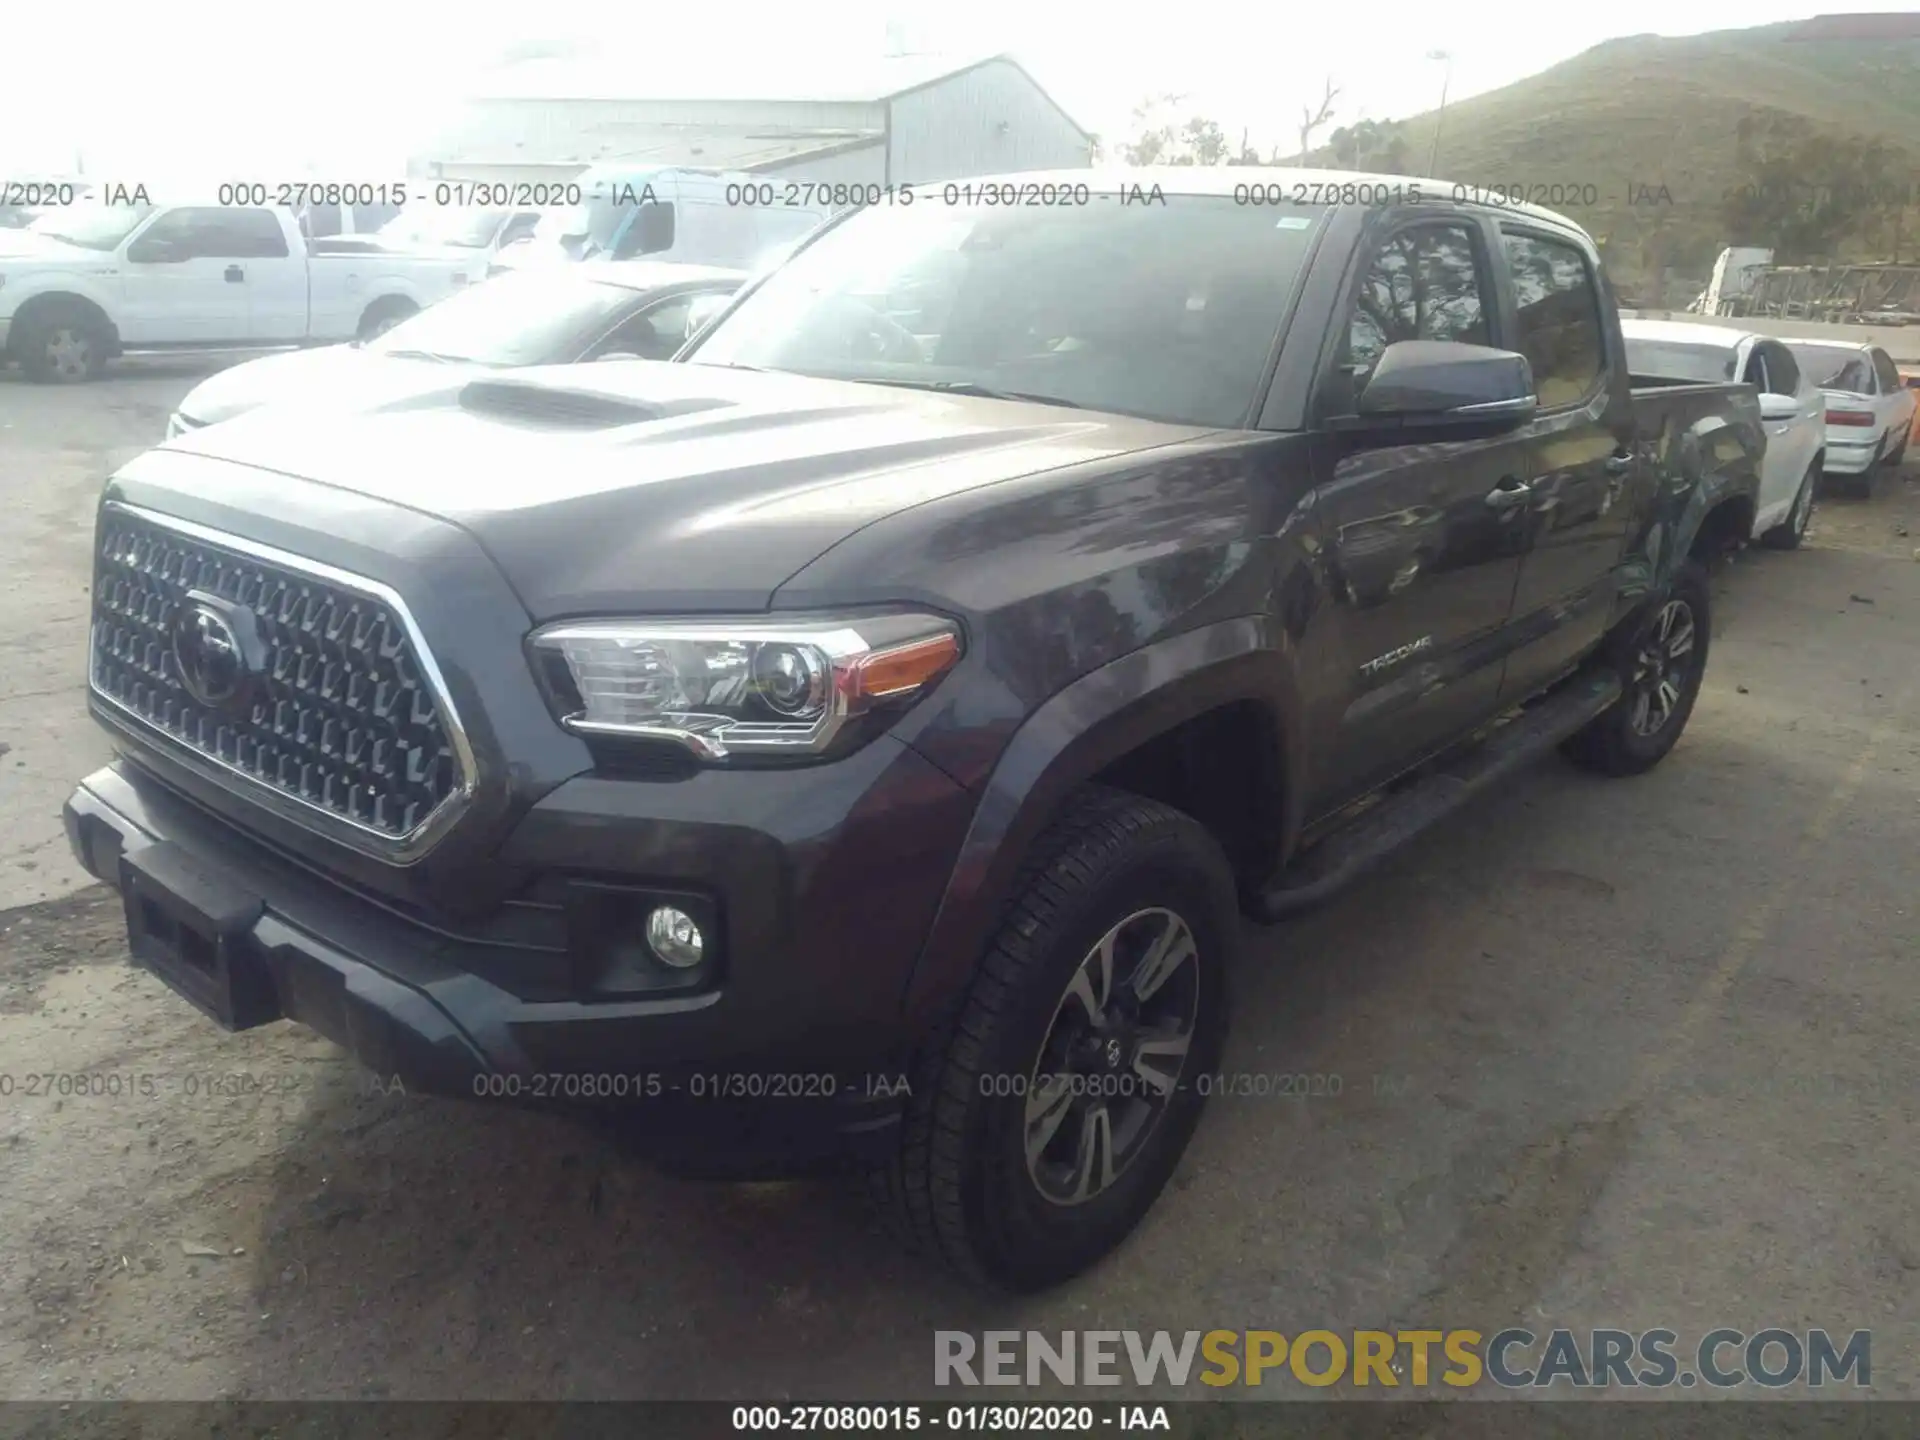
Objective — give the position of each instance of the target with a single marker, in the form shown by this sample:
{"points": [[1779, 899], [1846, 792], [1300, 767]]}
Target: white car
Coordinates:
{"points": [[1869, 407], [84, 283], [621, 310], [1792, 408]]}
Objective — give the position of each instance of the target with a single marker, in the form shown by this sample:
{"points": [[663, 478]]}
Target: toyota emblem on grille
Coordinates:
{"points": [[211, 650]]}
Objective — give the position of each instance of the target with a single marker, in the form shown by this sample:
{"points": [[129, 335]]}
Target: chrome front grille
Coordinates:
{"points": [[337, 716]]}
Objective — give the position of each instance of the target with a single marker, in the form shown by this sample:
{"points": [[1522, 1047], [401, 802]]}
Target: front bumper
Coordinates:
{"points": [[741, 1079]]}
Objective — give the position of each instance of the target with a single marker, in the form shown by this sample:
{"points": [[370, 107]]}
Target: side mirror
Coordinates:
{"points": [[1779, 407], [703, 309], [1445, 384]]}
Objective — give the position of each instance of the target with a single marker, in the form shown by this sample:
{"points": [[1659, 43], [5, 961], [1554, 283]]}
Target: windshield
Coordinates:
{"points": [[468, 229], [540, 317], [1676, 360], [1164, 310], [91, 227], [1835, 367]]}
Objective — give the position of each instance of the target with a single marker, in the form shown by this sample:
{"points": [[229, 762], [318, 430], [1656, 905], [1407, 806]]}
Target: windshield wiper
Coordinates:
{"points": [[968, 387]]}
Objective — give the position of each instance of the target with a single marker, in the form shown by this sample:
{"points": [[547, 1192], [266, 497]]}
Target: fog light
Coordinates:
{"points": [[672, 935]]}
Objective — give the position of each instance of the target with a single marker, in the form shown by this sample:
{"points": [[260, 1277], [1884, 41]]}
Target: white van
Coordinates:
{"points": [[671, 213]]}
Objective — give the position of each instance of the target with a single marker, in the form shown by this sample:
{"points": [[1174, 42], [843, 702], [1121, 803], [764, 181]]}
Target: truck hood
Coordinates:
{"points": [[343, 375], [28, 249], [642, 487]]}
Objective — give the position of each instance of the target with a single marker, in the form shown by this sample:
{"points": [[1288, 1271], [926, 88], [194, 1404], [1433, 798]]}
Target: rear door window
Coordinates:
{"points": [[1557, 312]]}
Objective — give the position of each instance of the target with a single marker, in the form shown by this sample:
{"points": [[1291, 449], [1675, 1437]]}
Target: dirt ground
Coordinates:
{"points": [[1637, 1054]]}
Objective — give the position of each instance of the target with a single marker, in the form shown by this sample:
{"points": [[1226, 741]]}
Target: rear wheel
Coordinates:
{"points": [[1662, 661], [1788, 534], [383, 315], [1052, 1112]]}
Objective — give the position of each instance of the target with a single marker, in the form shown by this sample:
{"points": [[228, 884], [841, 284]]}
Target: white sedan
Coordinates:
{"points": [[620, 310], [1792, 409], [1869, 407]]}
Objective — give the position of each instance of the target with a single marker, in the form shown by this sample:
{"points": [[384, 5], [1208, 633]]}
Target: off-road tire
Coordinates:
{"points": [[1609, 744], [958, 1187]]}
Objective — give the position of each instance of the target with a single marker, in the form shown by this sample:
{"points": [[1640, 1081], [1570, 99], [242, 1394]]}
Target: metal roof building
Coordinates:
{"points": [[904, 119]]}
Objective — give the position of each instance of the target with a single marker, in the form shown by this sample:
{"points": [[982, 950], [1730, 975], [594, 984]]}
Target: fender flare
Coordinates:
{"points": [[1075, 735], [39, 300], [387, 299], [1679, 514]]}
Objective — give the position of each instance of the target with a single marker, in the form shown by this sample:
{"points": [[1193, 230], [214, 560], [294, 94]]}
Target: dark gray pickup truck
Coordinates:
{"points": [[864, 738]]}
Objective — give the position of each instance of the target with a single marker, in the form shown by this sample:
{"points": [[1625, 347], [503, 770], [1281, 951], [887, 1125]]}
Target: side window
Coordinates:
{"points": [[1756, 371], [653, 334], [519, 227], [170, 237], [1422, 284], [1783, 371], [650, 233], [1558, 312], [1889, 377], [210, 233]]}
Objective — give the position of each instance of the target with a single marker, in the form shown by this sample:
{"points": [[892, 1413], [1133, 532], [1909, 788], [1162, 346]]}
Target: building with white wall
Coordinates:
{"points": [[903, 119]]}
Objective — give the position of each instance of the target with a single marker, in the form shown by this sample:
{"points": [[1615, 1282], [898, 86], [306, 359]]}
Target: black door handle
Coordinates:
{"points": [[235, 274]]}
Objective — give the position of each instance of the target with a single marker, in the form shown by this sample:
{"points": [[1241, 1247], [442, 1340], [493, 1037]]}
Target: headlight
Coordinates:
{"points": [[755, 686]]}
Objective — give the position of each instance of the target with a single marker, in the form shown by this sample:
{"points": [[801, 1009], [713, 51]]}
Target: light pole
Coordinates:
{"points": [[1440, 115]]}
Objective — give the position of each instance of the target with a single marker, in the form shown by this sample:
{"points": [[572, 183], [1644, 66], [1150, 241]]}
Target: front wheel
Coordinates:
{"points": [[1662, 661], [1052, 1112], [62, 347], [1788, 534]]}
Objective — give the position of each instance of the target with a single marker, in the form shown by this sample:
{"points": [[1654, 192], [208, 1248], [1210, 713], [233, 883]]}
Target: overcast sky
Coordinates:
{"points": [[230, 90]]}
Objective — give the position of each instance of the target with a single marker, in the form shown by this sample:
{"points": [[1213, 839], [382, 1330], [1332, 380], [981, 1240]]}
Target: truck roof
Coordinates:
{"points": [[1225, 179]]}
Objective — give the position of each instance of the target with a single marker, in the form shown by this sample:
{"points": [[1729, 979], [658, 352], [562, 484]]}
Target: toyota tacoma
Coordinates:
{"points": [[861, 738]]}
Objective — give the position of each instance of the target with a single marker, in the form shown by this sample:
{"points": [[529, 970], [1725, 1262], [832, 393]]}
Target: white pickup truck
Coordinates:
{"points": [[84, 283]]}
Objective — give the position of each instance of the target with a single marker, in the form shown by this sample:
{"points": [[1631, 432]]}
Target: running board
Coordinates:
{"points": [[1345, 854]]}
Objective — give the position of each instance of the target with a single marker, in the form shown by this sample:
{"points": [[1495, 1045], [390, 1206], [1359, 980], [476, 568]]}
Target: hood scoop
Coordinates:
{"points": [[566, 407]]}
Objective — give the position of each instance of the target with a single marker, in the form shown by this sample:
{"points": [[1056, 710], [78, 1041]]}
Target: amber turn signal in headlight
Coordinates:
{"points": [[749, 686]]}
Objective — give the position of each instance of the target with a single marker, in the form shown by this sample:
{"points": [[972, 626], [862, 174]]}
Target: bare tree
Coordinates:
{"points": [[1311, 120]]}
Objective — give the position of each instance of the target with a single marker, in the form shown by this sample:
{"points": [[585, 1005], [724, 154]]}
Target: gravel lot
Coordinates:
{"points": [[1632, 1053]]}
